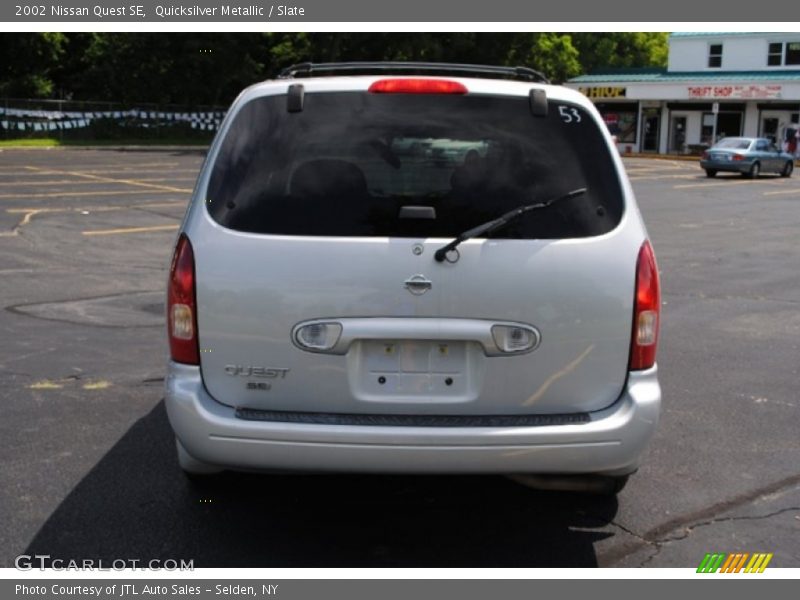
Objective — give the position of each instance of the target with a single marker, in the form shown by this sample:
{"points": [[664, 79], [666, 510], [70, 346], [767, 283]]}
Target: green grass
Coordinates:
{"points": [[52, 142], [29, 143]]}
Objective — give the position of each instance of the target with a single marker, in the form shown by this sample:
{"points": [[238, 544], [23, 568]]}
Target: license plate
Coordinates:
{"points": [[414, 367]]}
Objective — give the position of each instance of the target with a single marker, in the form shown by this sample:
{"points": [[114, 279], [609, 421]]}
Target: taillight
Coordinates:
{"points": [[181, 306], [737, 157], [417, 86], [646, 310]]}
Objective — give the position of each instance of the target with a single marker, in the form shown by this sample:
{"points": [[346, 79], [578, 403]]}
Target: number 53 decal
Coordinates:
{"points": [[569, 114]]}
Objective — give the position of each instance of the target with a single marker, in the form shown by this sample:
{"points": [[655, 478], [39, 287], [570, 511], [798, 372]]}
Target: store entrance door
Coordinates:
{"points": [[651, 122], [729, 124], [769, 129], [677, 137]]}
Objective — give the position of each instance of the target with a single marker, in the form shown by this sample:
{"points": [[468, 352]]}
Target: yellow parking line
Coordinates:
{"points": [[170, 178], [151, 170], [730, 181], [659, 168], [792, 191], [652, 177], [131, 230], [98, 208], [46, 385], [84, 182], [81, 194], [25, 220], [647, 163], [96, 385], [100, 165], [57, 182], [29, 213], [156, 186], [102, 168]]}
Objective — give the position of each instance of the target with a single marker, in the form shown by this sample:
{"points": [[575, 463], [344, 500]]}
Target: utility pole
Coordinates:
{"points": [[715, 110]]}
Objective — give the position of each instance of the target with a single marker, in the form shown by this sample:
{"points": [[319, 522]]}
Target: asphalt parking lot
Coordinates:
{"points": [[88, 467]]}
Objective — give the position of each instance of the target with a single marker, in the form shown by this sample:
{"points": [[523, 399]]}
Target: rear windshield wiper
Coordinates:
{"points": [[502, 221]]}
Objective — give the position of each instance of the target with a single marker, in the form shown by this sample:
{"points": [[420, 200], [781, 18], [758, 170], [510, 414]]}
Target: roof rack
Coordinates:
{"points": [[309, 69]]}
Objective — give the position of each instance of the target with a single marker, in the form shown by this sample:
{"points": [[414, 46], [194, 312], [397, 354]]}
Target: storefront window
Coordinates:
{"points": [[621, 120], [707, 131]]}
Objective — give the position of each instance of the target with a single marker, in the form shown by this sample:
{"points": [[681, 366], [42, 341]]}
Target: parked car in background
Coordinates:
{"points": [[748, 156], [414, 268]]}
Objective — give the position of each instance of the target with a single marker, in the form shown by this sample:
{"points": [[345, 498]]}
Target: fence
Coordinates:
{"points": [[100, 121]]}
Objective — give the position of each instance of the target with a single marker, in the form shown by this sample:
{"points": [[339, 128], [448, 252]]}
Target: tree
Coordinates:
{"points": [[621, 50], [551, 53], [211, 68], [28, 62], [180, 68]]}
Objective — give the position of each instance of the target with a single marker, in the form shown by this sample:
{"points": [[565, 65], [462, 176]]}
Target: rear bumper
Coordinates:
{"points": [[611, 442], [740, 166]]}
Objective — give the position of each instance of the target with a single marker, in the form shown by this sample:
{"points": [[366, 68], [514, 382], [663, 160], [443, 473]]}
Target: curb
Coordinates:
{"points": [[682, 157]]}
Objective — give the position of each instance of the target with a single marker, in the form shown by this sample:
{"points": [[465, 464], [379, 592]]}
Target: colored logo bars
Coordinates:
{"points": [[734, 563]]}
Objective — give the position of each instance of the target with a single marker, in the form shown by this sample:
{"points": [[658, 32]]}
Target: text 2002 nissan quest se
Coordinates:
{"points": [[414, 268]]}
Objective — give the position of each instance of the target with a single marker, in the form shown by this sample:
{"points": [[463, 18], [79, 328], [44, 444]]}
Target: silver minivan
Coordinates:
{"points": [[414, 268]]}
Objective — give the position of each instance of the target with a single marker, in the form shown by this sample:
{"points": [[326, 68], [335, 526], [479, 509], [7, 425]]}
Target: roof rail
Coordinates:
{"points": [[309, 69]]}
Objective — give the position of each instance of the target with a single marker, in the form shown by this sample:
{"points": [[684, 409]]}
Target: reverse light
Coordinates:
{"points": [[318, 336], [416, 86], [515, 339], [646, 310], [182, 306], [182, 322]]}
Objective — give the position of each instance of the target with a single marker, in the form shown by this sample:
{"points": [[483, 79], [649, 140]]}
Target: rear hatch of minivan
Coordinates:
{"points": [[318, 290]]}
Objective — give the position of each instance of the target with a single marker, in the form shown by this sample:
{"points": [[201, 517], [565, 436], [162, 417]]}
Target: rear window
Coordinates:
{"points": [[350, 162], [734, 143]]}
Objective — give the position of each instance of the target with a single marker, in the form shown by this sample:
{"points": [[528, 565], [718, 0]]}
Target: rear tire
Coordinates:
{"points": [[754, 171], [787, 169], [601, 485], [195, 470], [711, 172]]}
